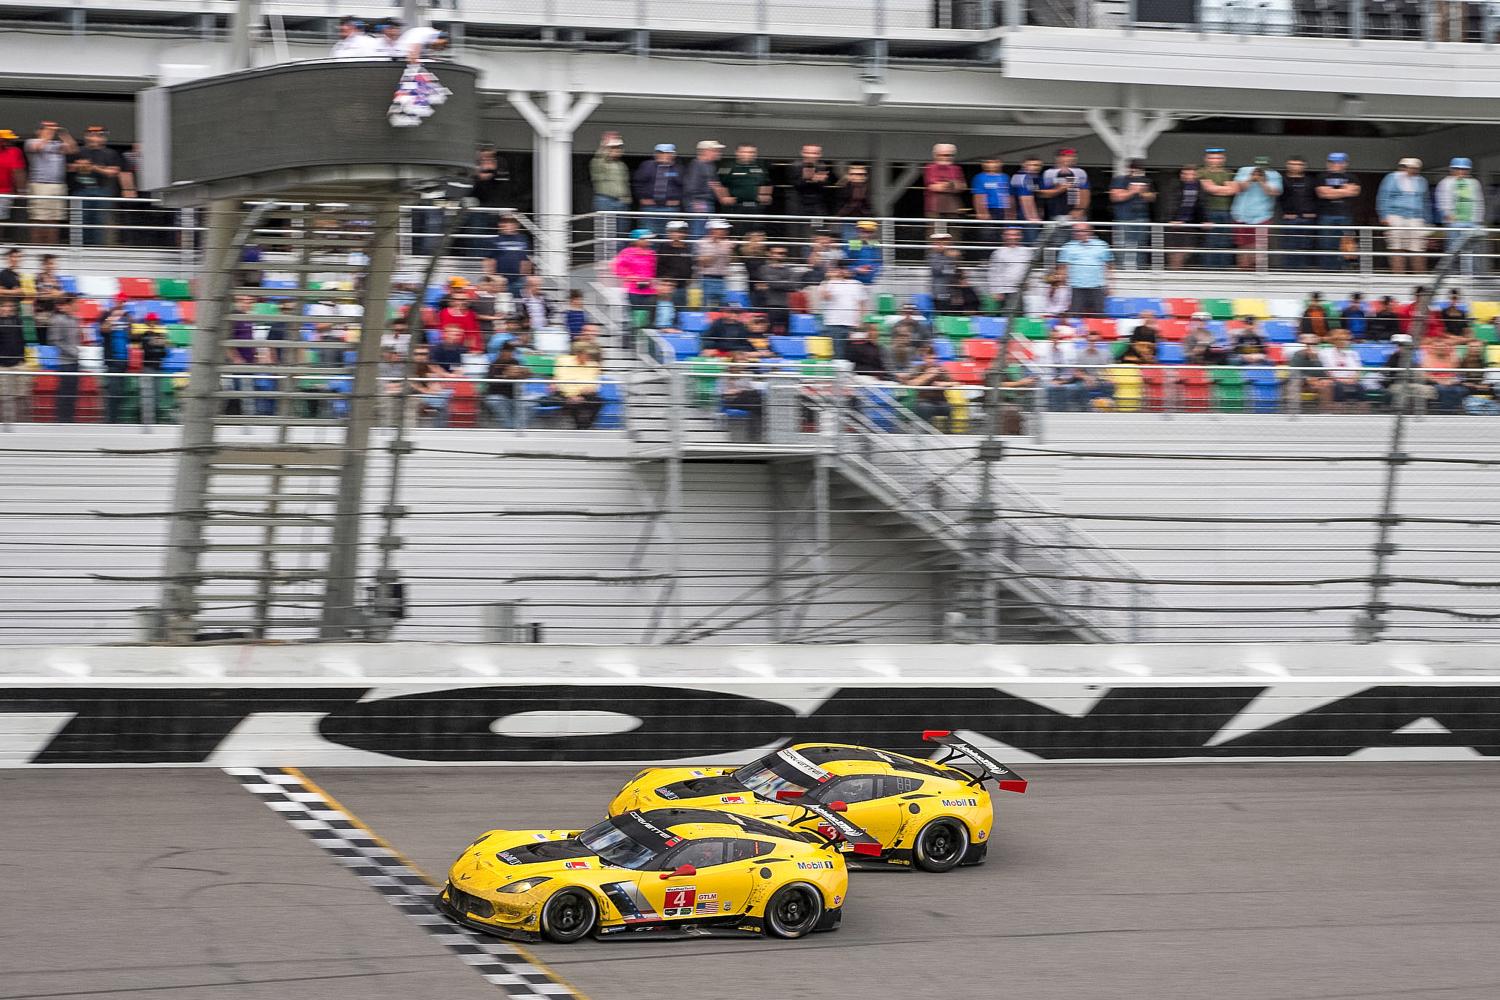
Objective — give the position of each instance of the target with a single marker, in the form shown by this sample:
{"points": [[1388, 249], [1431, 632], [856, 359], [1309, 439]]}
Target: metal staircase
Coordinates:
{"points": [[265, 529]]}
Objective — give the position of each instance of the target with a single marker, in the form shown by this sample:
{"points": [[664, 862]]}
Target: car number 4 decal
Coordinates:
{"points": [[679, 902]]}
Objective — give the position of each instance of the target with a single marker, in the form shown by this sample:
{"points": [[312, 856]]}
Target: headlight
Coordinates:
{"points": [[526, 884]]}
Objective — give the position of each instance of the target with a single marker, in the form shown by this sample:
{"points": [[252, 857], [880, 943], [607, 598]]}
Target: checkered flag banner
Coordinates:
{"points": [[416, 95]]}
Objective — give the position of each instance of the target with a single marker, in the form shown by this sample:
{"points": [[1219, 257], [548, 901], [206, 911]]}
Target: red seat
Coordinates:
{"points": [[1157, 382], [1195, 389], [137, 358], [88, 310], [797, 302], [1181, 308], [137, 288], [1172, 329], [463, 411], [981, 349], [189, 310], [1275, 352], [967, 372], [1103, 327]]}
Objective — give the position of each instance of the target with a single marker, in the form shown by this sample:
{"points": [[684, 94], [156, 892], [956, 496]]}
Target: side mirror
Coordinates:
{"points": [[838, 807], [681, 871], [789, 795]]}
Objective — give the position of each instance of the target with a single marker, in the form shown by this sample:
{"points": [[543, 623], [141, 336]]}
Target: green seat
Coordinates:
{"points": [[816, 368], [542, 364], [885, 304], [705, 379], [1228, 390], [641, 317], [1030, 327], [265, 308], [957, 327], [989, 302], [180, 334], [173, 288], [1486, 333], [1218, 308]]}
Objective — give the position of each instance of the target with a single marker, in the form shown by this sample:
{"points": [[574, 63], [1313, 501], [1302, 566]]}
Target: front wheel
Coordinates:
{"points": [[941, 845], [568, 915], [794, 911]]}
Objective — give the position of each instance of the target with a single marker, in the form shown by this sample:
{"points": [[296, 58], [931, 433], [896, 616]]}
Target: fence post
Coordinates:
{"points": [[1366, 253]]}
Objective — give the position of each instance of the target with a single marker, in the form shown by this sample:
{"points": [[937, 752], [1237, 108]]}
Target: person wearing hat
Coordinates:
{"points": [[96, 178], [864, 256], [354, 41], [12, 172], [1065, 188], [1401, 204], [420, 42], [1460, 204], [676, 261], [388, 42], [943, 260], [1336, 192], [635, 266], [701, 191], [1218, 187], [611, 180], [1253, 209], [47, 154], [658, 186], [714, 256]]}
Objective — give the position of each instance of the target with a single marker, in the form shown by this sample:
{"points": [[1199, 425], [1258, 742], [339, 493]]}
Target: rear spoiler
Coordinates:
{"points": [[1008, 780], [858, 840]]}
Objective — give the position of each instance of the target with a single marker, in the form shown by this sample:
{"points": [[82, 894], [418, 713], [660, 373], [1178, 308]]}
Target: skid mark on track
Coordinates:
{"points": [[299, 801]]}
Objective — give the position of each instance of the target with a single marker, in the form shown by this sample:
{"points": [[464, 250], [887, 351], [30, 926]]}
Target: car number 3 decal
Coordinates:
{"points": [[679, 902]]}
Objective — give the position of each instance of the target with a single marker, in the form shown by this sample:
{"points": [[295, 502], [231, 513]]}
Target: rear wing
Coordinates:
{"points": [[1008, 780], [858, 840]]}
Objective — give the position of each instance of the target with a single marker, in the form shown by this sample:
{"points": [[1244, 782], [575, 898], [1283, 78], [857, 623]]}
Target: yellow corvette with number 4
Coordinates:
{"points": [[929, 814], [678, 870]]}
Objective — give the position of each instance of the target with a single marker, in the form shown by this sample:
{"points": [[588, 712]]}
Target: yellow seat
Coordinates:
{"points": [[695, 298], [958, 410], [1484, 312], [1258, 308], [1129, 388], [1492, 353], [820, 347]]}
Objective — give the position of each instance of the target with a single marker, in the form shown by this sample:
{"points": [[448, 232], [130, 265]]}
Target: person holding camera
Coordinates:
{"points": [[1132, 194], [47, 154], [1253, 208], [96, 179], [1065, 188]]}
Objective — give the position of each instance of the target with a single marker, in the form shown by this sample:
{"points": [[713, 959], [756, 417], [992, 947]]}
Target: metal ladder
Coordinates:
{"points": [[265, 528]]}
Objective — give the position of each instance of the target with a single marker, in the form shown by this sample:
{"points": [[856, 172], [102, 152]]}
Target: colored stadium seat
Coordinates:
{"points": [[179, 335], [923, 302], [1218, 308], [1194, 390], [1484, 312], [1156, 385], [1486, 333], [1288, 309], [1180, 308], [954, 326], [693, 322], [1373, 354], [943, 348], [173, 288], [684, 345], [967, 372], [1172, 329], [989, 326], [176, 360], [137, 288], [1257, 308], [1279, 331], [541, 364], [1118, 307], [88, 310], [612, 415], [1031, 328], [981, 350], [1228, 390], [703, 384], [885, 304], [1130, 388], [1264, 386], [741, 299], [96, 286], [790, 347], [820, 347], [804, 325], [1105, 328], [1169, 353], [1492, 354]]}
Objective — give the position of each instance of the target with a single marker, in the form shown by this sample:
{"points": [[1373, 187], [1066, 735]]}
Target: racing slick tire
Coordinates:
{"points": [[794, 911], [941, 845], [568, 915]]}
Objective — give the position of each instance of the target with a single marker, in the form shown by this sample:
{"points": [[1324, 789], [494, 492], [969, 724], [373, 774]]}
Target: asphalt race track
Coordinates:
{"points": [[1230, 882]]}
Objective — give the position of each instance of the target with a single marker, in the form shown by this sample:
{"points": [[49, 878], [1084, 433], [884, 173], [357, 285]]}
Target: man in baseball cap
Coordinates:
{"points": [[701, 191], [1401, 205], [658, 185], [1336, 191], [1460, 205]]}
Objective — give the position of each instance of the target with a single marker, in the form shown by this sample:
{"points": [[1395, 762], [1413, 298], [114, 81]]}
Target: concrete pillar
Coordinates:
{"points": [[1132, 131], [553, 143]]}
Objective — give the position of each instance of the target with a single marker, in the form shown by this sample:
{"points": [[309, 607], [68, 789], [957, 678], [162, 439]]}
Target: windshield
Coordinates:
{"points": [[784, 770], [614, 846]]}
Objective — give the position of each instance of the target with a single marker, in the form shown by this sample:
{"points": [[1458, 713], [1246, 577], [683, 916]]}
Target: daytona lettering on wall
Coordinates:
{"points": [[205, 725]]}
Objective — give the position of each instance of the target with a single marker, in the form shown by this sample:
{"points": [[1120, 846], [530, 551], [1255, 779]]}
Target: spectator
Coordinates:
{"points": [[113, 331], [1315, 318], [1052, 297], [1056, 359], [154, 349], [510, 256], [1253, 208], [809, 187], [388, 38], [1354, 317], [865, 256], [714, 255], [738, 390], [484, 302], [13, 384], [943, 184], [675, 261], [1219, 190], [992, 199], [1336, 192], [575, 382], [664, 316], [1474, 362], [488, 189], [12, 172], [65, 337], [635, 266], [962, 298], [746, 181], [1008, 267], [611, 180], [1299, 212], [1199, 345], [1248, 346], [1087, 264], [777, 282], [1401, 204], [576, 316], [701, 191], [1385, 323], [942, 268], [500, 391], [47, 154], [96, 173], [1441, 362], [901, 352], [751, 254], [842, 300], [427, 391], [1024, 186], [1343, 366], [1145, 327], [533, 302], [1138, 352], [12, 285], [457, 313], [1065, 188], [825, 254], [1308, 373], [863, 352], [729, 332], [47, 289], [852, 194], [658, 186], [1408, 310], [448, 353], [1460, 206], [1131, 195], [1185, 217], [421, 42], [931, 382], [1455, 317], [355, 42], [912, 323]]}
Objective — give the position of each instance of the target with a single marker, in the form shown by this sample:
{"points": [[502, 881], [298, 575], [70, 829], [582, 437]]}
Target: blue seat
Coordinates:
{"points": [[803, 325], [1373, 353], [1264, 386], [794, 348], [1158, 306], [881, 408], [1169, 353], [533, 391], [989, 327], [175, 361], [684, 345], [693, 322], [1119, 307], [741, 299], [923, 302], [943, 348], [69, 283], [612, 415], [1279, 331], [272, 283], [46, 356], [166, 310]]}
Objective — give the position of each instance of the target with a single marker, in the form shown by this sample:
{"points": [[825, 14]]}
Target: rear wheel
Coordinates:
{"points": [[794, 910], [941, 845], [568, 915]]}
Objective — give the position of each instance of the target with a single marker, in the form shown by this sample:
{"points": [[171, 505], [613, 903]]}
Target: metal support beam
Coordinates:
{"points": [[886, 195], [1136, 131], [241, 26], [553, 143]]}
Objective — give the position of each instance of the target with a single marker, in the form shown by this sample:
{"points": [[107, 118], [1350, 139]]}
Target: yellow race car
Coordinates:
{"points": [[929, 814], [678, 870]]}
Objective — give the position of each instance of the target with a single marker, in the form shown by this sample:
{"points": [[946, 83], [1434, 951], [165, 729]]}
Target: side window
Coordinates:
{"points": [[699, 854], [744, 850], [897, 784], [851, 790]]}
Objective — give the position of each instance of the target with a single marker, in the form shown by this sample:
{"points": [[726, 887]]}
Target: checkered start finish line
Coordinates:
{"points": [[383, 870]]}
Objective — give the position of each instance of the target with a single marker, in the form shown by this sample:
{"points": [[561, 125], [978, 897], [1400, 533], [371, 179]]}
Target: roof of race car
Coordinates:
{"points": [[844, 758], [670, 825]]}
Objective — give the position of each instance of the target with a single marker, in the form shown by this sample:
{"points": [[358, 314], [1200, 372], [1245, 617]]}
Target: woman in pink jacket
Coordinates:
{"points": [[635, 266]]}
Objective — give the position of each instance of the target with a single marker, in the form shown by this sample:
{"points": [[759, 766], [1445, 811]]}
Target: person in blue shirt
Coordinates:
{"points": [[1253, 209], [1024, 185], [510, 255], [1404, 209], [575, 317], [992, 199], [864, 258], [1087, 264], [1131, 195]]}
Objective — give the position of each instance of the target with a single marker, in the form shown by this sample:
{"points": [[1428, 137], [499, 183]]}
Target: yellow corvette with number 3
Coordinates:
{"points": [[933, 815], [677, 870]]}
